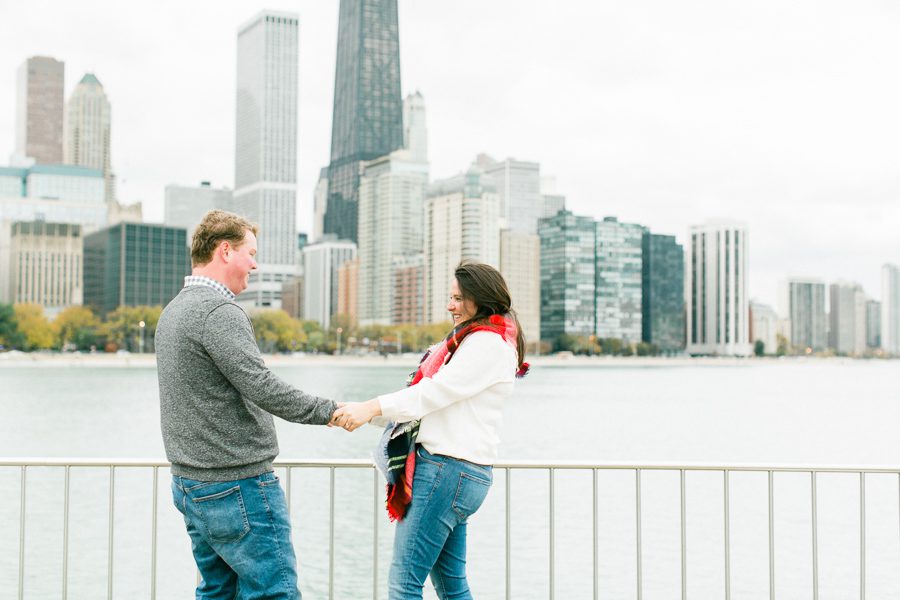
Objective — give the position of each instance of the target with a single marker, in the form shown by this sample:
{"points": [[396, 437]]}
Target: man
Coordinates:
{"points": [[217, 398]]}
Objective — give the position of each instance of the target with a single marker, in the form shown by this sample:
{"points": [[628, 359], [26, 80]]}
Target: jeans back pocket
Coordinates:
{"points": [[224, 515], [470, 493]]}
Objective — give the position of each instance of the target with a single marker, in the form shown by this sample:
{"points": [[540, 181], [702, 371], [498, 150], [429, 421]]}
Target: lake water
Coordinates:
{"points": [[815, 412]]}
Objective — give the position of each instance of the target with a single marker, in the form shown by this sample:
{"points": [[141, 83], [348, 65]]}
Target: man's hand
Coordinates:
{"points": [[355, 415], [331, 423]]}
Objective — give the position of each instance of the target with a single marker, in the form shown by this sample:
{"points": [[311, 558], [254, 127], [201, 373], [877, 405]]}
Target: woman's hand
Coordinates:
{"points": [[355, 415]]}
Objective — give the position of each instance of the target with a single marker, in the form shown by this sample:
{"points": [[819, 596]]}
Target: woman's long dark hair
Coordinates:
{"points": [[486, 288]]}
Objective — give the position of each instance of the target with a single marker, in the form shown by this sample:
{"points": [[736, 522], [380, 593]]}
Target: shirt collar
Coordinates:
{"points": [[192, 280]]}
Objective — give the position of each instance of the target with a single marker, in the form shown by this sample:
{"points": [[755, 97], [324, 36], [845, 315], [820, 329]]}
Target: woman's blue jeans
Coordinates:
{"points": [[241, 537], [431, 538]]}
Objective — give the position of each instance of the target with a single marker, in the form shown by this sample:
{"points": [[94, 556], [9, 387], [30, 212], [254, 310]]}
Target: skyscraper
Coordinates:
{"points": [[847, 318], [460, 224], [568, 265], [520, 265], [321, 263], [662, 293], [368, 113], [618, 276], [39, 110], [890, 309], [391, 203], [873, 324], [87, 137], [265, 189], [716, 290], [415, 133], [186, 205], [519, 190], [46, 263], [803, 303]]}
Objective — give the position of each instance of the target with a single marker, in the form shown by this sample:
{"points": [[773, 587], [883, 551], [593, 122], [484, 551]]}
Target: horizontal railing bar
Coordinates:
{"points": [[361, 463]]}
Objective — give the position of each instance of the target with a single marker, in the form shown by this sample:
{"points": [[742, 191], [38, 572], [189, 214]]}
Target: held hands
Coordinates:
{"points": [[355, 415]]}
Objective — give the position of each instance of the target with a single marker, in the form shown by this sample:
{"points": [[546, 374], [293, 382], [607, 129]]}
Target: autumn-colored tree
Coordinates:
{"points": [[122, 327], [76, 325], [34, 326], [10, 336], [276, 330]]}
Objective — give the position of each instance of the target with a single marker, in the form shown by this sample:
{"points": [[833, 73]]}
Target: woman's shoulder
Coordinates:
{"points": [[486, 341]]}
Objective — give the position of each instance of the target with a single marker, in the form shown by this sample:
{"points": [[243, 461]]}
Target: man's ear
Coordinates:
{"points": [[225, 250]]}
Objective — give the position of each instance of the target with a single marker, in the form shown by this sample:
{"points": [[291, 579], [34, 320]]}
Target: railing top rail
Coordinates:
{"points": [[357, 463]]}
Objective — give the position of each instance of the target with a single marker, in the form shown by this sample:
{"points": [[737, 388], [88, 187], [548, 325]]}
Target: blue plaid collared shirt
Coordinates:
{"points": [[212, 283]]}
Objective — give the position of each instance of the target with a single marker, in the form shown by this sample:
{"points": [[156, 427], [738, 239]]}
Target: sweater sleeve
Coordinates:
{"points": [[477, 364], [228, 338]]}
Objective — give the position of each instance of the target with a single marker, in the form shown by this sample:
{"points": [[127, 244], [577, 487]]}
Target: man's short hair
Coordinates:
{"points": [[218, 226]]}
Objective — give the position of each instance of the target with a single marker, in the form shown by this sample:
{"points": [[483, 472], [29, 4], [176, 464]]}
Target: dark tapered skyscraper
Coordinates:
{"points": [[368, 110]]}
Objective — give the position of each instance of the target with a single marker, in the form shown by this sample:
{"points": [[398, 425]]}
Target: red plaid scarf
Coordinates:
{"points": [[401, 450]]}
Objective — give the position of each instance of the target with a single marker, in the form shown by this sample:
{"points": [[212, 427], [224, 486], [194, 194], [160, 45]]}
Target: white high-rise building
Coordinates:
{"points": [[518, 185], [520, 265], [186, 205], [415, 134], [847, 318], [890, 309], [321, 262], [46, 262], [716, 290], [265, 188], [461, 222], [87, 130], [391, 203]]}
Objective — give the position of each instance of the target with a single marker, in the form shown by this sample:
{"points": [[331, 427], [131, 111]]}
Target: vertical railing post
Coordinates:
{"points": [[862, 536], [375, 534], [552, 534], [727, 512], [287, 489], [637, 518], [508, 534], [683, 540], [815, 535], [65, 565], [111, 539], [331, 537], [22, 535], [596, 538], [153, 532], [771, 537]]}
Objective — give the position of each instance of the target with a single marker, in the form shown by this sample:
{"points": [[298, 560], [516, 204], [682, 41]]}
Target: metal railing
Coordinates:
{"points": [[508, 468]]}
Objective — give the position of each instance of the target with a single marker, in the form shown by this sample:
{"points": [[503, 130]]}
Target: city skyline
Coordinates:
{"points": [[664, 116]]}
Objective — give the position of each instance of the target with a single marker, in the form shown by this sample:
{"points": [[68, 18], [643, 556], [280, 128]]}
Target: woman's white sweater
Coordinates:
{"points": [[461, 406]]}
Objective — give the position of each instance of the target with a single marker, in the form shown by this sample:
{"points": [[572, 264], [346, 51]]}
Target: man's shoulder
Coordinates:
{"points": [[199, 302]]}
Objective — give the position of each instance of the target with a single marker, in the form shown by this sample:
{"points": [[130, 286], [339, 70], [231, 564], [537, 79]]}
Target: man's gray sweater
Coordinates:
{"points": [[217, 396]]}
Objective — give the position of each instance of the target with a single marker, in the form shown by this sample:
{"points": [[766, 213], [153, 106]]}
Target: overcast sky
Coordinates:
{"points": [[783, 114]]}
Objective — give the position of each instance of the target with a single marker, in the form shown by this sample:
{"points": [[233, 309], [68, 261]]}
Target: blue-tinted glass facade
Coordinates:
{"points": [[568, 262], [134, 264], [662, 300]]}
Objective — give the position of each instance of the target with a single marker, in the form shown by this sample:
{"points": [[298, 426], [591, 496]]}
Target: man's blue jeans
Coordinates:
{"points": [[431, 538], [240, 536]]}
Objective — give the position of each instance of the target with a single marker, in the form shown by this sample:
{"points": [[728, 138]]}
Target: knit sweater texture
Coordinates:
{"points": [[217, 396]]}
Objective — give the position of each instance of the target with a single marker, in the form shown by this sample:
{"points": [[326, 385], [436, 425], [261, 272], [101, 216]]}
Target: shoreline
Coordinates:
{"points": [[41, 359]]}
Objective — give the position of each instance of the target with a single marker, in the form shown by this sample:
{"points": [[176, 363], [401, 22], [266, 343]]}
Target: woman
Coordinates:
{"points": [[457, 397]]}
